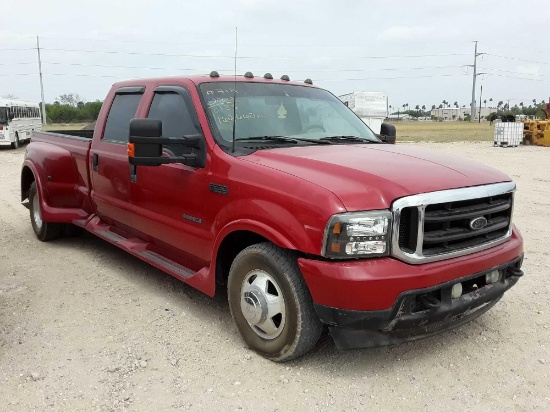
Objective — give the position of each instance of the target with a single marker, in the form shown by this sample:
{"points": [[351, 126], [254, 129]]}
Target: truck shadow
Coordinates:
{"points": [[215, 312]]}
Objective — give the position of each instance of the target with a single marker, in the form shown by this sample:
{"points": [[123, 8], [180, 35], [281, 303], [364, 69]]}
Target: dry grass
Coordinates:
{"points": [[64, 126], [442, 132]]}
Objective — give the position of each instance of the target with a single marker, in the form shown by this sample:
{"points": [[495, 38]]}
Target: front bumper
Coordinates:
{"points": [[419, 313], [375, 302]]}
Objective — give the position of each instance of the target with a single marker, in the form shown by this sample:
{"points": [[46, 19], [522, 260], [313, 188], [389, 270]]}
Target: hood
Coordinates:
{"points": [[372, 176]]}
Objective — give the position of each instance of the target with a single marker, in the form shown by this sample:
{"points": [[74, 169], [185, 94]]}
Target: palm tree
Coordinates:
{"points": [[417, 108], [423, 107], [535, 102], [485, 102], [433, 106], [500, 103], [521, 104], [456, 104], [490, 100], [390, 108]]}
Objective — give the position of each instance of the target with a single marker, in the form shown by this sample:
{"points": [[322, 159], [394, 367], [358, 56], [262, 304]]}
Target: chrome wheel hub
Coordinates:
{"points": [[37, 216], [263, 304]]}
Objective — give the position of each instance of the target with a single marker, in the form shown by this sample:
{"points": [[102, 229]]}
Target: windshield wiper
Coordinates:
{"points": [[274, 138], [284, 139], [349, 139]]}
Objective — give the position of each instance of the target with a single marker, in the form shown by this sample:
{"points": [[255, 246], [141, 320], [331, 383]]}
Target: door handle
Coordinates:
{"points": [[95, 162]]}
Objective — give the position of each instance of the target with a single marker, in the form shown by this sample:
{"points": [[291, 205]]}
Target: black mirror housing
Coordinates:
{"points": [[388, 133], [145, 145], [145, 128]]}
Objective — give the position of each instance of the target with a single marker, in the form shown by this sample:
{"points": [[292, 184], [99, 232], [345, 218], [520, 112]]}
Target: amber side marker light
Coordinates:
{"points": [[131, 150], [336, 229]]}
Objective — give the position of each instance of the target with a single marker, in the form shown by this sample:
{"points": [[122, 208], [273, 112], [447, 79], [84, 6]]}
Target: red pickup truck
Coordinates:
{"points": [[279, 191]]}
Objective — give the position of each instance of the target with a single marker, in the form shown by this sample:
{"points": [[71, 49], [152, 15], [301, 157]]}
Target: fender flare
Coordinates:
{"points": [[254, 226], [28, 164], [248, 225]]}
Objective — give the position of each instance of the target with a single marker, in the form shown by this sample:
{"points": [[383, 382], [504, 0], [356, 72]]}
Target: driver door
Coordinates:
{"points": [[170, 200]]}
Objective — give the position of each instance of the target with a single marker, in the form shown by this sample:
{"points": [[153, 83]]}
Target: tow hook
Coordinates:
{"points": [[515, 272], [430, 301]]}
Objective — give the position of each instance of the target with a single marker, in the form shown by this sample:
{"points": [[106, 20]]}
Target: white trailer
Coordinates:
{"points": [[371, 107]]}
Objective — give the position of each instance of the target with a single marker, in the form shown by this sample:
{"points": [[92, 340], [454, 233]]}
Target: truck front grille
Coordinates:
{"points": [[439, 225]]}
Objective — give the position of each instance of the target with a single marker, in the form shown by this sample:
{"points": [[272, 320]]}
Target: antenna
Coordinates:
{"points": [[235, 93]]}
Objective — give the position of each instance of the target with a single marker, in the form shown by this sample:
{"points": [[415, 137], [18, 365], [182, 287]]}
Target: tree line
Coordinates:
{"points": [[70, 108], [502, 108]]}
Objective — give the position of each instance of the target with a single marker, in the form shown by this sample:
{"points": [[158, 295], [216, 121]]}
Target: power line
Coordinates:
{"points": [[325, 80], [515, 58], [254, 70], [251, 57], [243, 44], [514, 77], [136, 53], [392, 78], [137, 41], [62, 74], [18, 63], [511, 72], [18, 48]]}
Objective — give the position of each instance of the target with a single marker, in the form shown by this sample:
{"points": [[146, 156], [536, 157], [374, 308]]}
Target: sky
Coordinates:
{"points": [[418, 53]]}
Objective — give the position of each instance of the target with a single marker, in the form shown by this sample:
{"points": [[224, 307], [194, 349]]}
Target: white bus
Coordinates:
{"points": [[17, 121]]}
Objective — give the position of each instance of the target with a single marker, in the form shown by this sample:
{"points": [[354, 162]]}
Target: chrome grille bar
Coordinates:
{"points": [[423, 200]]}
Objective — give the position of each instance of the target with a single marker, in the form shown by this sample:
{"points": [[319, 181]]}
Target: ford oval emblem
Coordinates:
{"points": [[478, 223]]}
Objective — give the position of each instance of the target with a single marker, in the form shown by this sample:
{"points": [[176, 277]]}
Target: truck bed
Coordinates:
{"points": [[88, 134], [67, 172]]}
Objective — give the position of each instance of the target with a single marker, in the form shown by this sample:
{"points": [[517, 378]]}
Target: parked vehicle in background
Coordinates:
{"points": [[18, 119], [278, 191], [371, 107]]}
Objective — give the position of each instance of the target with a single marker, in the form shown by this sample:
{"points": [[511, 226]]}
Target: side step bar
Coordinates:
{"points": [[146, 252]]}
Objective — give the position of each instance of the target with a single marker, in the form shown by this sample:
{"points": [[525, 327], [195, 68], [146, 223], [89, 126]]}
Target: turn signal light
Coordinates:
{"points": [[131, 150]]}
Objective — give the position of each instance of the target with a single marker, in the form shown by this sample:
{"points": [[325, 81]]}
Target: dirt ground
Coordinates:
{"points": [[86, 327]]}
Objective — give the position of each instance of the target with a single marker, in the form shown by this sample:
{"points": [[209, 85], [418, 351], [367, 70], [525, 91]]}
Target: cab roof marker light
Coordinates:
{"points": [[249, 75], [285, 77], [268, 76], [308, 81], [214, 73]]}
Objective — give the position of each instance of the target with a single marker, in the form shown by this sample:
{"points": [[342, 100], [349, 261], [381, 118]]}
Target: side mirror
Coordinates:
{"points": [[145, 145], [388, 133]]}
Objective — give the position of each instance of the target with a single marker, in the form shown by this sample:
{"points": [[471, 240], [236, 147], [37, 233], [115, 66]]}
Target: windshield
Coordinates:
{"points": [[3, 115], [265, 110]]}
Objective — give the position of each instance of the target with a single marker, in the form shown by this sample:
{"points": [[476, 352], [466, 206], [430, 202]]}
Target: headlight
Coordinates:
{"points": [[357, 234]]}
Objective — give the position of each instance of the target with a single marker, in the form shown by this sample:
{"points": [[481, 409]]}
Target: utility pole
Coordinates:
{"points": [[480, 95], [473, 103], [41, 82]]}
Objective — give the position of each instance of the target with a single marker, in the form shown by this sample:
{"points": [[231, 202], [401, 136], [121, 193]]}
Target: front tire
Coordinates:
{"points": [[43, 230], [271, 304]]}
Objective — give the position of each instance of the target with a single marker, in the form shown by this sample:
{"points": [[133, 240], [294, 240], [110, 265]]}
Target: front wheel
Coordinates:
{"points": [[43, 230], [271, 304]]}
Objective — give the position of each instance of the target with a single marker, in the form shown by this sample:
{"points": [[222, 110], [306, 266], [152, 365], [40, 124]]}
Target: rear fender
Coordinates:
{"points": [[56, 178]]}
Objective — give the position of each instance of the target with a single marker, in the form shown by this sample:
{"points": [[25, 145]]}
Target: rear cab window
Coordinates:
{"points": [[123, 109]]}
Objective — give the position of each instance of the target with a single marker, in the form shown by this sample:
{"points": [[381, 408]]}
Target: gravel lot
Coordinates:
{"points": [[85, 326]]}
